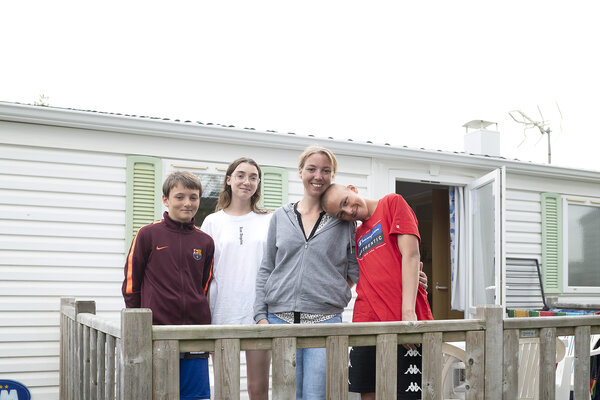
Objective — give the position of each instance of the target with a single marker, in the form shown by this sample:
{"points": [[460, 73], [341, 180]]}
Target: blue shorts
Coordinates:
{"points": [[193, 379]]}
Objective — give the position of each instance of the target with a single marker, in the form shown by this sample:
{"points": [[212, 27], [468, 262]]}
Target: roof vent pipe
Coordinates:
{"points": [[480, 140]]}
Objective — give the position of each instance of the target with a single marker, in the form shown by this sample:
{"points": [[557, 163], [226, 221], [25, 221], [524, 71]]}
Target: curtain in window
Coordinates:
{"points": [[458, 251]]}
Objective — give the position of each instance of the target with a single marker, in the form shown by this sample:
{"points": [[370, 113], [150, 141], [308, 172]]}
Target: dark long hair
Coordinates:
{"points": [[225, 194]]}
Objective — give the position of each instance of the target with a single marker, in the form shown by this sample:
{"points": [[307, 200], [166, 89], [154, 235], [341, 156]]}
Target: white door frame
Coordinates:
{"points": [[498, 180]]}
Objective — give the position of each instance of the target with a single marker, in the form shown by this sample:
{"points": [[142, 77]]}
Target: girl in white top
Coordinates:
{"points": [[239, 229]]}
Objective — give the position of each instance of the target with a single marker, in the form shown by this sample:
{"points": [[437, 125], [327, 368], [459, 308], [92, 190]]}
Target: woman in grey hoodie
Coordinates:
{"points": [[308, 267]]}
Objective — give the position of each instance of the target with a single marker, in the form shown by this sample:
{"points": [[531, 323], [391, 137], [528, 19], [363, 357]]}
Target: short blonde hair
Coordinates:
{"points": [[310, 150]]}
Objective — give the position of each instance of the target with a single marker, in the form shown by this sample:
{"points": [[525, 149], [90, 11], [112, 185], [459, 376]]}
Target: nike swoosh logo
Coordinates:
{"points": [[161, 248]]}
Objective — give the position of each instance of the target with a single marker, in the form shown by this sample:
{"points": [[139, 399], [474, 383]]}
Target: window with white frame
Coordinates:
{"points": [[581, 244], [211, 176]]}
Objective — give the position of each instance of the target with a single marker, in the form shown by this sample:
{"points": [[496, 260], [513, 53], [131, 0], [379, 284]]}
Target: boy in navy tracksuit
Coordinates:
{"points": [[169, 268]]}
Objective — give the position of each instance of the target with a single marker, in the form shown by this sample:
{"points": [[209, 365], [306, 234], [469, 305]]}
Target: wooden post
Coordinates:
{"points": [[492, 315], [386, 366], [136, 354], [581, 383], [337, 367], [165, 369], [227, 369], [510, 375], [474, 365], [547, 370], [432, 365], [284, 368]]}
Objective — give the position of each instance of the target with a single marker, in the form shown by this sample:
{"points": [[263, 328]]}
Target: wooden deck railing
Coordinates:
{"points": [[135, 360]]}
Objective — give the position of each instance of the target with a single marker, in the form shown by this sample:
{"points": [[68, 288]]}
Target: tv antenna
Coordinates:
{"points": [[521, 118]]}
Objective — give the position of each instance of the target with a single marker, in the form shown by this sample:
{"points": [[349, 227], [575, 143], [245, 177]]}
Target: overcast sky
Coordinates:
{"points": [[398, 72]]}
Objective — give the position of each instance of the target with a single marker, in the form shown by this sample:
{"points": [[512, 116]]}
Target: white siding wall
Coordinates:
{"points": [[523, 224], [62, 224]]}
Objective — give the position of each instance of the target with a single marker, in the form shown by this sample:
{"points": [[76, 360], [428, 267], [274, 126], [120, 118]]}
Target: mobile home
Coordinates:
{"points": [[75, 185]]}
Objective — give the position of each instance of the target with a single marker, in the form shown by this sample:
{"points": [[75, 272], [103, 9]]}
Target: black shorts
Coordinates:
{"points": [[361, 372]]}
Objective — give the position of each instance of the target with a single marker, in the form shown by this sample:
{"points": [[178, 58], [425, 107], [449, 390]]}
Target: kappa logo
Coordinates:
{"points": [[197, 254], [412, 369], [413, 387], [11, 390], [412, 353]]}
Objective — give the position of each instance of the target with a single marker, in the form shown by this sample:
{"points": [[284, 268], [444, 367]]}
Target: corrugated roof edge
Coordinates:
{"points": [[187, 121], [127, 125]]}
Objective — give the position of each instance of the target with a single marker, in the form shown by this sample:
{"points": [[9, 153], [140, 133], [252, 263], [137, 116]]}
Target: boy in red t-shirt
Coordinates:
{"points": [[387, 248]]}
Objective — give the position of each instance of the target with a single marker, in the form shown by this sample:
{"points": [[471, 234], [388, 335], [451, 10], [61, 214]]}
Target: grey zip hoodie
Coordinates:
{"points": [[305, 275]]}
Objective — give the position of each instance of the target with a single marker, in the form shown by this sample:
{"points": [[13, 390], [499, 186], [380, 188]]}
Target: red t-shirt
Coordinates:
{"points": [[379, 286]]}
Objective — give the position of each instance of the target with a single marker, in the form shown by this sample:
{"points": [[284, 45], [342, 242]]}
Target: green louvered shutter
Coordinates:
{"points": [[274, 191], [552, 242], [144, 175]]}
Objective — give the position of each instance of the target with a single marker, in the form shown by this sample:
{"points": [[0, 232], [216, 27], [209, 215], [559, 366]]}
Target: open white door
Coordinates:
{"points": [[485, 244]]}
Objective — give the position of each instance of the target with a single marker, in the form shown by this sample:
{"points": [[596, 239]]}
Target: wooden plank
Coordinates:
{"points": [[386, 366], [196, 345], [510, 374], [492, 315], [78, 361], [432, 365], [227, 369], [81, 307], [551, 322], [210, 332], [165, 369], [93, 364], [108, 326], [71, 369], [111, 372], [136, 354], [284, 368], [474, 365], [64, 347], [101, 365], [337, 367], [85, 345], [547, 377], [581, 381]]}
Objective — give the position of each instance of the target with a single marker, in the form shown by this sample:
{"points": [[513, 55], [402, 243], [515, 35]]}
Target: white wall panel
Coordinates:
{"points": [[26, 349], [62, 200], [523, 224], [62, 233], [60, 274], [94, 258], [27, 364], [63, 230]]}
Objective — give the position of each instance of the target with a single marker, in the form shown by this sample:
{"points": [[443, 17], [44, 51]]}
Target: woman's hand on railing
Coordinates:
{"points": [[263, 322]]}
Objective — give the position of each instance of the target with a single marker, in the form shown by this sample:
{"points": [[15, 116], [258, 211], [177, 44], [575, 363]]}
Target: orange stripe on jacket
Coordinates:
{"points": [[129, 287], [209, 276]]}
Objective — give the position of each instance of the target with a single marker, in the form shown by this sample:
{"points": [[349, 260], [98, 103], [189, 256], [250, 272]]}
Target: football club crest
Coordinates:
{"points": [[11, 390], [197, 254]]}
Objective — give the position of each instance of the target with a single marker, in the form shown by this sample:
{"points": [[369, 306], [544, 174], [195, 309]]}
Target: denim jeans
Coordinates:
{"points": [[311, 366]]}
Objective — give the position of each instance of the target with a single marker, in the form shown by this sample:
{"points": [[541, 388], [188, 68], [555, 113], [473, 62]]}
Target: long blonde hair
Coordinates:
{"points": [[225, 194]]}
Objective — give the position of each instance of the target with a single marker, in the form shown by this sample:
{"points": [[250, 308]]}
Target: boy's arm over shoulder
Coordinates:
{"points": [[135, 268], [352, 277]]}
